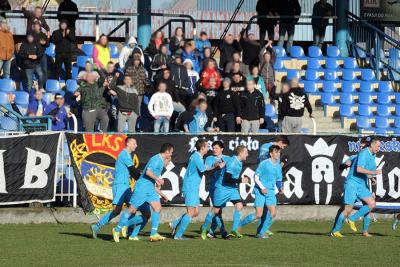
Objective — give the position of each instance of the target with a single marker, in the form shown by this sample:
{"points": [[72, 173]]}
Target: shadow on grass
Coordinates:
{"points": [[302, 233], [89, 236]]}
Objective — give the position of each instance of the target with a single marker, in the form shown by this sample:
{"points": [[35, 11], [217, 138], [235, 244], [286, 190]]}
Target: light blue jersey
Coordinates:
{"points": [[156, 165], [366, 160], [192, 178], [269, 174], [216, 176], [264, 151], [233, 167], [122, 165], [197, 125]]}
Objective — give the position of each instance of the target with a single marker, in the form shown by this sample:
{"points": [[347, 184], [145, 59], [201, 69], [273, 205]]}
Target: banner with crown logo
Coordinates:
{"points": [[313, 174]]}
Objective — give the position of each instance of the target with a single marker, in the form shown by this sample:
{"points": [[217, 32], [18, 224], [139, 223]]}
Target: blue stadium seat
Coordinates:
{"points": [[367, 75], [88, 49], [270, 111], [363, 123], [311, 87], [4, 98], [280, 52], [383, 111], [279, 65], [113, 50], [315, 52], [330, 75], [397, 98], [75, 72], [297, 52], [51, 50], [346, 99], [360, 53], [348, 87], [312, 75], [381, 131], [7, 85], [21, 98], [72, 85], [331, 64], [348, 75], [47, 97], [333, 51], [397, 110], [365, 110], [366, 87], [384, 99], [81, 61], [346, 111], [365, 99], [328, 99], [397, 122], [350, 63], [381, 122], [292, 74], [313, 64], [329, 87], [385, 87], [53, 86]]}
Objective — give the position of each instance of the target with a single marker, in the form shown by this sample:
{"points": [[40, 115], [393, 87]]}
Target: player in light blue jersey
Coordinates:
{"points": [[281, 141], [268, 175], [227, 189], [356, 187], [191, 187], [214, 178], [124, 169], [145, 192]]}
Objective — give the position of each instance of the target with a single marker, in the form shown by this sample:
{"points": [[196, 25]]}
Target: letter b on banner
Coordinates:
{"points": [[36, 170]]}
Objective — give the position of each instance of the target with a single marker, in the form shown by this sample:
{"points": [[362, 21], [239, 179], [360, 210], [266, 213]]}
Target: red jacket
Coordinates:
{"points": [[210, 73]]}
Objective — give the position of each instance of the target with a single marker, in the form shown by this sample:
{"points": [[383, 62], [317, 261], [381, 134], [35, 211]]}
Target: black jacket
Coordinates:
{"points": [[289, 8], [264, 8], [41, 36], [227, 51], [128, 99], [226, 101], [321, 11], [251, 50], [69, 6], [27, 49], [64, 44], [239, 87], [180, 76], [252, 106], [294, 102]]}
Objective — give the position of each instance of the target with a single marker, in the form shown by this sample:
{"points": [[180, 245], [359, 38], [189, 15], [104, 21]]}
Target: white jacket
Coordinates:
{"points": [[160, 105], [125, 53]]}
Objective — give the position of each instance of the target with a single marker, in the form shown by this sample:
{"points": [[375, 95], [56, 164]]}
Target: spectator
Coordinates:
{"points": [[88, 69], [6, 49], [68, 6], [160, 62], [210, 72], [200, 122], [31, 17], [171, 89], [238, 84], [236, 58], [181, 78], [293, 104], [250, 47], [42, 42], [205, 57], [58, 112], [186, 117], [227, 107], [93, 103], [252, 109], [202, 43], [37, 105], [112, 102], [267, 8], [259, 81], [267, 70], [320, 9], [4, 7], [157, 40], [289, 8], [128, 103], [161, 108], [127, 52], [227, 48], [64, 40], [211, 91], [177, 41], [188, 53], [193, 77], [285, 88], [101, 54], [30, 54], [139, 78], [8, 121]]}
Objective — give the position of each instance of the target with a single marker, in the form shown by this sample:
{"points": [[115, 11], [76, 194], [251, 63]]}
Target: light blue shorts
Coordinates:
{"points": [[121, 194], [192, 199], [262, 200], [143, 193], [354, 191], [224, 195]]}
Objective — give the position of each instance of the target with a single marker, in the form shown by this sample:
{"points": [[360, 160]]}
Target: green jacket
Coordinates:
{"points": [[92, 95]]}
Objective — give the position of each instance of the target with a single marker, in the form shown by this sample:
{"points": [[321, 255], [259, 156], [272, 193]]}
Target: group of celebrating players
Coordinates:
{"points": [[225, 176]]}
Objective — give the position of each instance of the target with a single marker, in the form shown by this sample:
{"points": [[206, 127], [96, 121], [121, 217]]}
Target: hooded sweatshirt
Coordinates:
{"points": [[127, 51], [160, 105]]}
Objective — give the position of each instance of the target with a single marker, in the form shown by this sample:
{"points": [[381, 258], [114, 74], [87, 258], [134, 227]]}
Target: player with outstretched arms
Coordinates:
{"points": [[281, 141]]}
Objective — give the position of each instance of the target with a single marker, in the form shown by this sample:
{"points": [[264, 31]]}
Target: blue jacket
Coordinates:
{"points": [[34, 104], [193, 58], [198, 124], [201, 44], [59, 119]]}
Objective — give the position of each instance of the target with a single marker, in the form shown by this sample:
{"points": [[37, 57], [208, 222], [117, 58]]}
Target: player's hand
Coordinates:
{"points": [[281, 192], [160, 182], [373, 181], [222, 164], [348, 163], [264, 191], [246, 180], [378, 172]]}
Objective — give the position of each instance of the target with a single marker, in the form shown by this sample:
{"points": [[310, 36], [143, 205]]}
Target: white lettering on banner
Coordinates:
{"points": [[372, 3], [322, 167], [393, 176], [38, 171], [2, 175], [250, 144], [380, 190], [293, 179], [245, 189], [346, 170], [174, 180]]}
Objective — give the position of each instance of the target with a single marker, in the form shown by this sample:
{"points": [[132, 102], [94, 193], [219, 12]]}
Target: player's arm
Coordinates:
{"points": [[279, 183], [362, 162], [161, 194], [258, 181], [151, 175], [134, 172]]}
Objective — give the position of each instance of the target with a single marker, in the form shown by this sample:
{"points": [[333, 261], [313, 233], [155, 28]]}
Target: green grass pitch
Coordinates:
{"points": [[295, 243]]}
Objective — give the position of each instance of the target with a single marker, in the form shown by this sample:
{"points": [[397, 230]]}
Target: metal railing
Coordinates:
{"points": [[27, 123]]}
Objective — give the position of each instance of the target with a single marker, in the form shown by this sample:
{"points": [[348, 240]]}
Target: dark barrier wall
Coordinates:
{"points": [[313, 174]]}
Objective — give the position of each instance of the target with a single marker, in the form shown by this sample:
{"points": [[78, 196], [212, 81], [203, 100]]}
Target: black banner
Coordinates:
{"points": [[28, 168], [383, 11], [311, 176]]}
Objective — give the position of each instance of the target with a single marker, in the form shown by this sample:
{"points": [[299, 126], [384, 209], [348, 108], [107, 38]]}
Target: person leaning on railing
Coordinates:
{"points": [[34, 16], [320, 9], [267, 8], [288, 8], [58, 112], [93, 103]]}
